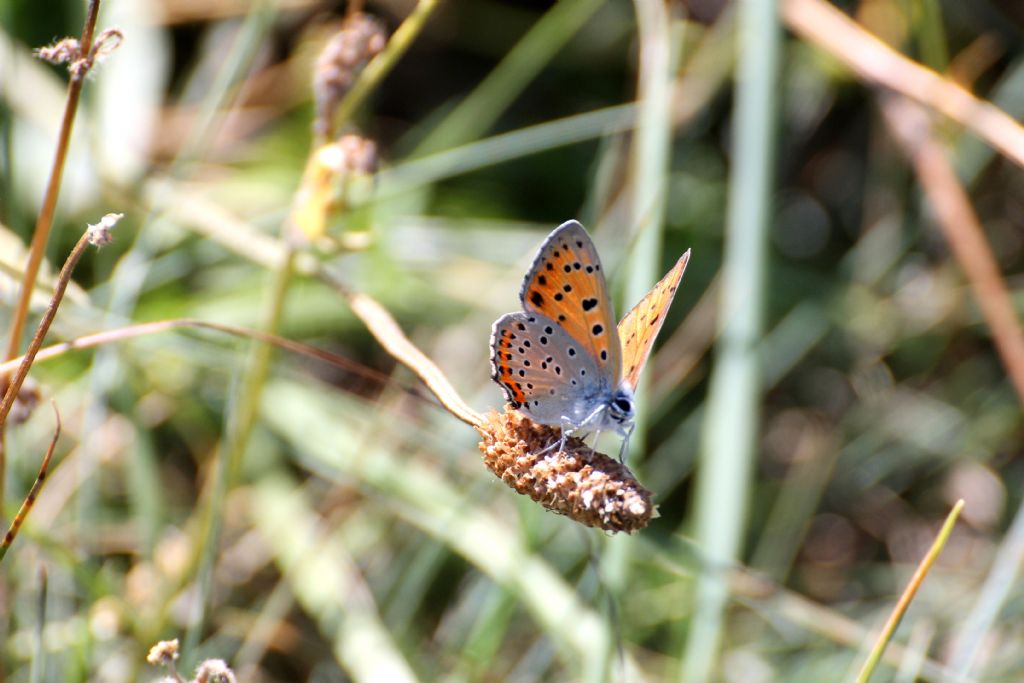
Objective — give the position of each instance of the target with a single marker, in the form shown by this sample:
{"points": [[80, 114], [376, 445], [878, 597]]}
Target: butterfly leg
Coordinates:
{"points": [[567, 428], [624, 448]]}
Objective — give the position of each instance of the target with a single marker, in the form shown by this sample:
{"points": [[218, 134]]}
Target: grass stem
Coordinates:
{"points": [[732, 422]]}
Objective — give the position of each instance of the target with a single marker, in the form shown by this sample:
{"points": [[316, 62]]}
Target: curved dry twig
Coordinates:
{"points": [[33, 493], [962, 229], [879, 64]]}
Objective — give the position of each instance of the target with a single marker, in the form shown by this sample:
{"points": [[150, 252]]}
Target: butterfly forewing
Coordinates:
{"points": [[639, 327], [543, 372], [566, 284]]}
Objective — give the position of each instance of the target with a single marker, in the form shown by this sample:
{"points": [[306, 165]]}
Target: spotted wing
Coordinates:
{"points": [[566, 284], [639, 327], [544, 372]]}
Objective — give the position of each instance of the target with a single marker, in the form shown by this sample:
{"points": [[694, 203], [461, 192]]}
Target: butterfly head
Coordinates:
{"points": [[621, 410]]}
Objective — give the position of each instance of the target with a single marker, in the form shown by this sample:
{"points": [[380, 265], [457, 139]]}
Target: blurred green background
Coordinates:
{"points": [[361, 538]]}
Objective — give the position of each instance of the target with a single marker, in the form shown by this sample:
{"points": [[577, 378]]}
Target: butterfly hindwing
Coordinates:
{"points": [[542, 371], [639, 328], [566, 284]]}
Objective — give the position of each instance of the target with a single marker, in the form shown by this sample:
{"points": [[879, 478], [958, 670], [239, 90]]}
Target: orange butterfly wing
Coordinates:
{"points": [[566, 284], [639, 327]]}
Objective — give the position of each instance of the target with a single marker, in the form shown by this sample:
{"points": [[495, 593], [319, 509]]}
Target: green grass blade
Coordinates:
{"points": [[733, 417]]}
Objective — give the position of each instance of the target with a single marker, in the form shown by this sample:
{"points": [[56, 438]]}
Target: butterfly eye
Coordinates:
{"points": [[623, 406]]}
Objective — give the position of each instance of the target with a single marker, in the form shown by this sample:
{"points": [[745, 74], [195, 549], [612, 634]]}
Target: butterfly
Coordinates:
{"points": [[561, 360]]}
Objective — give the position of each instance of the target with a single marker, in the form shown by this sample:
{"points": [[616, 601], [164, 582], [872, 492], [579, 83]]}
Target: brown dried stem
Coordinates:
{"points": [[913, 130], [30, 499], [387, 332], [44, 222], [14, 386], [80, 67], [877, 63], [143, 329]]}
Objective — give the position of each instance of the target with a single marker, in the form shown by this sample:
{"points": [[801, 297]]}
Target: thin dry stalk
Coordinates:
{"points": [[33, 493], [768, 597], [384, 328], [82, 57], [909, 592], [14, 386], [878, 64], [44, 222], [157, 326], [913, 130]]}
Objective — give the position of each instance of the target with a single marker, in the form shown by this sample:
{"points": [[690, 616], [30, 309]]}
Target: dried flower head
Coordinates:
{"points": [[99, 234], [356, 154], [215, 671], [360, 39], [578, 482], [163, 653], [106, 42], [61, 52], [69, 51]]}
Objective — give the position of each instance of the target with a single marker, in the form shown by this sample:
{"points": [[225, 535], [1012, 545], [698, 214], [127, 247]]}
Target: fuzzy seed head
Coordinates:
{"points": [[163, 653], [589, 487], [99, 234], [360, 39], [215, 671]]}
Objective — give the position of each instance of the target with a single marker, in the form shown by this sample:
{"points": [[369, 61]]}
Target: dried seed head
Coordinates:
{"points": [[350, 154], [69, 51], [215, 671], [163, 653], [360, 39], [578, 482], [61, 52], [106, 42], [99, 234]]}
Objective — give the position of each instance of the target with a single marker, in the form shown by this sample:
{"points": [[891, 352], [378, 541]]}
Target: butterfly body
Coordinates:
{"points": [[547, 376], [562, 360]]}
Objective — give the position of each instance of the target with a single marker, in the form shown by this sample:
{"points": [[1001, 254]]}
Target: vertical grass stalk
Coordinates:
{"points": [[652, 142], [733, 415]]}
